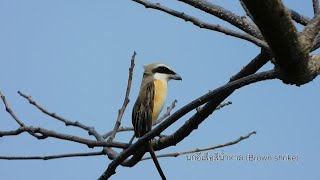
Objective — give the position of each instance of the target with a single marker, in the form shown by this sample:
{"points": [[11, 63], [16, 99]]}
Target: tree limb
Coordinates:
{"points": [[215, 98], [260, 60], [298, 17], [278, 30], [120, 129], [309, 33], [316, 43]]}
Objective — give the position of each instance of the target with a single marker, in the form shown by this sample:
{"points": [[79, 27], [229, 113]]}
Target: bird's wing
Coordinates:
{"points": [[142, 110]]}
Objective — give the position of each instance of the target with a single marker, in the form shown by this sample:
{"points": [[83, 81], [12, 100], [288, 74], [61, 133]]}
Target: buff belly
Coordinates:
{"points": [[159, 98]]}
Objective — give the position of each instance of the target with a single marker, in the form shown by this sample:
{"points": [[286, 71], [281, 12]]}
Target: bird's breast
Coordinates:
{"points": [[159, 98]]}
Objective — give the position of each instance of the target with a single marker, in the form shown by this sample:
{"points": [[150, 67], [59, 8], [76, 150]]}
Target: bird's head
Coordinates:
{"points": [[161, 72]]}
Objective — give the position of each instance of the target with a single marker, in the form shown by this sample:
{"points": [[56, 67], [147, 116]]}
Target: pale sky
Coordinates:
{"points": [[73, 57]]}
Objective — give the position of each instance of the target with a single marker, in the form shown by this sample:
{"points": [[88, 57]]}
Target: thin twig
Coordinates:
{"points": [[198, 109], [222, 105], [202, 24], [176, 154], [254, 65], [54, 115], [131, 139], [8, 109], [58, 156], [91, 130], [41, 133], [49, 133], [126, 100], [167, 113], [120, 129], [15, 117]]}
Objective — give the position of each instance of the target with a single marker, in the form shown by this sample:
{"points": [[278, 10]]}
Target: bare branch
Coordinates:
{"points": [[202, 24], [298, 17], [253, 66], [58, 156], [310, 32], [222, 105], [176, 154], [126, 100], [215, 97], [8, 109], [314, 63], [316, 43], [56, 116], [245, 9], [226, 15], [13, 115], [249, 69], [48, 133], [91, 130], [120, 129], [289, 50], [41, 133], [315, 4], [167, 113]]}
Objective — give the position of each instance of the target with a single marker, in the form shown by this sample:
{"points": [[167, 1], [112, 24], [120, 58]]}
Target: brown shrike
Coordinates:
{"points": [[152, 95]]}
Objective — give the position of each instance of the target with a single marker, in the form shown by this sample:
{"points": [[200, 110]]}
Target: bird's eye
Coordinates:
{"points": [[164, 68]]}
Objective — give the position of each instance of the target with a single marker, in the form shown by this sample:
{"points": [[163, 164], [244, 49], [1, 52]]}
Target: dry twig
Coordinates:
{"points": [[58, 156], [205, 25], [126, 100], [176, 154]]}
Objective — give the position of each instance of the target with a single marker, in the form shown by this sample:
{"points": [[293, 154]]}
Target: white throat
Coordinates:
{"points": [[161, 76]]}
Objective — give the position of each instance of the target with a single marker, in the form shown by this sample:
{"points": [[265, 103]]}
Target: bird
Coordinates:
{"points": [[150, 102]]}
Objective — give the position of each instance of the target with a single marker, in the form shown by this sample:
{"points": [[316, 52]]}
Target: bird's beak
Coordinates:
{"points": [[176, 77]]}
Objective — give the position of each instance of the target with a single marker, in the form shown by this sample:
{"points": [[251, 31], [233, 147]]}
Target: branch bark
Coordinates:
{"points": [[291, 52], [310, 32], [298, 17]]}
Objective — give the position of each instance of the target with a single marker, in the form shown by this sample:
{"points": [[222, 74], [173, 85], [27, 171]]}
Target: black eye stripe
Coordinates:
{"points": [[163, 69]]}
